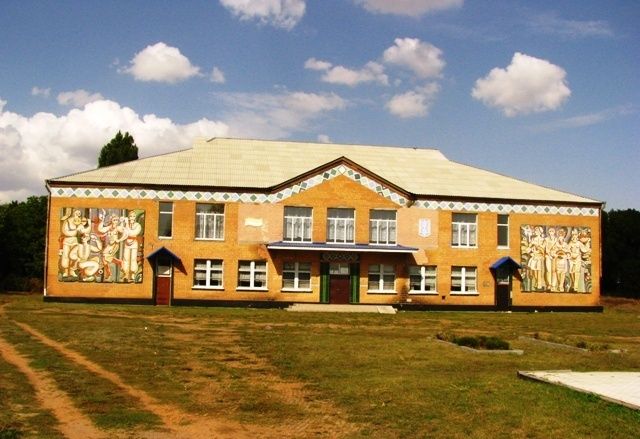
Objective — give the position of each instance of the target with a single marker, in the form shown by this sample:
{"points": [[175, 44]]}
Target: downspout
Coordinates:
{"points": [[46, 238]]}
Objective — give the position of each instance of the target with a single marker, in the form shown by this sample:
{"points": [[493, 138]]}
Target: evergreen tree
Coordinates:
{"points": [[120, 149]]}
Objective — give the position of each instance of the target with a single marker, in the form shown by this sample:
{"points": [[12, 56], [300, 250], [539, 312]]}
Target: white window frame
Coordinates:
{"points": [[464, 233], [346, 224], [254, 268], [298, 228], [297, 269], [427, 272], [468, 279], [212, 266], [501, 226], [162, 213], [201, 219], [380, 273], [382, 231]]}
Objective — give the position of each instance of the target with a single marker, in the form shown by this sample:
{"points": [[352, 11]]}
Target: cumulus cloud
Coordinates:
{"points": [[424, 59], [277, 115], [217, 76], [413, 8], [161, 63], [43, 92], [78, 98], [527, 85], [284, 14], [414, 103], [45, 145], [371, 72]]}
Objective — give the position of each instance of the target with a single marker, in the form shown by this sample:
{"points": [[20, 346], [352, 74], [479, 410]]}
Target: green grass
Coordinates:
{"points": [[384, 372]]}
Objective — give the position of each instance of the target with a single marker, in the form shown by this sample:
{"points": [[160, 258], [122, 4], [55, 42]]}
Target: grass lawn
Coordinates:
{"points": [[362, 375]]}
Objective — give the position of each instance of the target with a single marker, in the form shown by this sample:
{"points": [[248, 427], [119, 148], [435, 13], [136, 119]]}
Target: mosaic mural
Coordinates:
{"points": [[556, 258], [101, 245]]}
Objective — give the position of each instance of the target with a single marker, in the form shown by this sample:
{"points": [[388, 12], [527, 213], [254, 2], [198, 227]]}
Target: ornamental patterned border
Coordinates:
{"points": [[371, 184]]}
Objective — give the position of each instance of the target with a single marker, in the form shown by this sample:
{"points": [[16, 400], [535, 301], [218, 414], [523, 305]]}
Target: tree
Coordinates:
{"points": [[120, 149]]}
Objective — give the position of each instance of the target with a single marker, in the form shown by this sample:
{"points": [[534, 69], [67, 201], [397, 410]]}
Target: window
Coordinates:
{"points": [[296, 276], [165, 220], [422, 279], [341, 225], [207, 273], [297, 224], [382, 226], [464, 280], [209, 221], [252, 275], [503, 230], [464, 230], [382, 278]]}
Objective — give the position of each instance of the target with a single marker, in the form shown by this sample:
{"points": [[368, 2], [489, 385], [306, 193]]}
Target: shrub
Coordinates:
{"points": [[495, 343], [468, 341]]}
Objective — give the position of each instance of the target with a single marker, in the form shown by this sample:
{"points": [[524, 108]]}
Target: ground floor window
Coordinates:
{"points": [[422, 279], [252, 275], [207, 273], [464, 280], [296, 276], [382, 278]]}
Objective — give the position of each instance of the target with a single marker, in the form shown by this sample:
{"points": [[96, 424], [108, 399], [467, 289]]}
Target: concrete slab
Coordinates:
{"points": [[618, 387], [323, 307]]}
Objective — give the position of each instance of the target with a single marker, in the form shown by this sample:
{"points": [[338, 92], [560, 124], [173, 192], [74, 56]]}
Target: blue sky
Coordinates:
{"points": [[543, 91]]}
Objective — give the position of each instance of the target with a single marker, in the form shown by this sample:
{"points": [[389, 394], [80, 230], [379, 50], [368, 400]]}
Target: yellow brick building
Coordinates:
{"points": [[269, 223]]}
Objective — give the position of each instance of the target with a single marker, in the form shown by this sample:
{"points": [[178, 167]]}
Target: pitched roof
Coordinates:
{"points": [[263, 164]]}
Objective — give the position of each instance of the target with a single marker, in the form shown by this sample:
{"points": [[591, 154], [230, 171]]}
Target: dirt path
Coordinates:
{"points": [[72, 423]]}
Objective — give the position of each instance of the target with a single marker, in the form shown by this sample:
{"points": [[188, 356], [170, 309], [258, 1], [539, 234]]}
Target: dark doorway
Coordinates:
{"points": [[163, 280], [339, 289]]}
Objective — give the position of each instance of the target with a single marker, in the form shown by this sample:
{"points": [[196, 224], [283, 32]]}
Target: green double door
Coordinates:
{"points": [[339, 282]]}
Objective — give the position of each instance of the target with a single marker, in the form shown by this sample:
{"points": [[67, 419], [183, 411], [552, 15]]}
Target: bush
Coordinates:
{"points": [[468, 341], [495, 343], [481, 342]]}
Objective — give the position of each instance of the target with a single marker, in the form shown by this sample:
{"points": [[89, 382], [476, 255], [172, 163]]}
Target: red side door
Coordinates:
{"points": [[164, 276]]}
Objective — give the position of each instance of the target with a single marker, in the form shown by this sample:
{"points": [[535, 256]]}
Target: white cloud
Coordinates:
{"points": [[284, 14], [527, 85], [324, 138], [78, 98], [550, 23], [37, 91], [413, 103], [371, 72], [279, 115], [217, 76], [45, 145], [424, 59], [585, 120], [161, 63], [413, 8]]}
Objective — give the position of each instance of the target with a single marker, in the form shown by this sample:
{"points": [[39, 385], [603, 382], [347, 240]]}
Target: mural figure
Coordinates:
{"points": [[101, 245], [556, 259]]}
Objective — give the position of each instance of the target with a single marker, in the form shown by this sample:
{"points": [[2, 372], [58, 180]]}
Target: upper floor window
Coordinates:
{"points": [[297, 224], [464, 230], [165, 219], [464, 280], [207, 273], [252, 275], [422, 279], [296, 276], [382, 278], [209, 221], [382, 226], [341, 225], [503, 230]]}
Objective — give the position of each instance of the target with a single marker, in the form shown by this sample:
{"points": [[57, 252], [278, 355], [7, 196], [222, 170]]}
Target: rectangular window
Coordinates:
{"points": [[422, 279], [464, 229], [209, 221], [165, 219], [252, 275], [382, 278], [503, 231], [297, 224], [382, 227], [296, 276], [341, 225], [207, 273], [464, 280]]}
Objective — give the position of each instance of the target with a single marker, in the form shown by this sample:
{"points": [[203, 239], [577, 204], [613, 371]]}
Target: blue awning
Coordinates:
{"points": [[504, 260], [327, 246], [162, 251]]}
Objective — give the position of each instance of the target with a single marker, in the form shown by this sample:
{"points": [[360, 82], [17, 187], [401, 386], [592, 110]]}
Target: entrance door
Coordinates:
{"points": [[164, 272], [339, 284], [503, 288]]}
